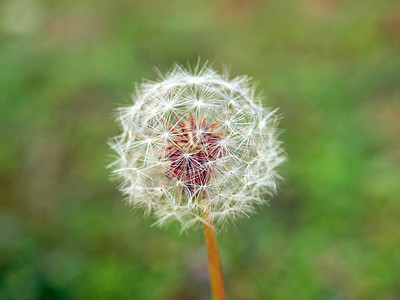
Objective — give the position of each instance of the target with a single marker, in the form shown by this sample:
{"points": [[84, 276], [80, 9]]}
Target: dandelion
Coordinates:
{"points": [[197, 147]]}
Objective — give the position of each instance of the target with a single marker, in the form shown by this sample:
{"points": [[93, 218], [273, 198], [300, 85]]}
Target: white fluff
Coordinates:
{"points": [[239, 179]]}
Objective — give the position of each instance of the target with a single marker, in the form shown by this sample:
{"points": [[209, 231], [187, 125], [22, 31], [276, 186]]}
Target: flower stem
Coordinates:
{"points": [[216, 278]]}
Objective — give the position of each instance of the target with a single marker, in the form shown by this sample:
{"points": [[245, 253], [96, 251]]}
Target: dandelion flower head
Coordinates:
{"points": [[197, 146]]}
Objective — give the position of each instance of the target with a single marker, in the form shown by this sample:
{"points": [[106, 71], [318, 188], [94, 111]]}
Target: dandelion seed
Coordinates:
{"points": [[195, 142]]}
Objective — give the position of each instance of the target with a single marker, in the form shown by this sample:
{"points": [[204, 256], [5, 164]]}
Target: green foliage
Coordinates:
{"points": [[333, 68]]}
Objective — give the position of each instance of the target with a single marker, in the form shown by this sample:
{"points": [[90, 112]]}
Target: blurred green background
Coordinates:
{"points": [[333, 68]]}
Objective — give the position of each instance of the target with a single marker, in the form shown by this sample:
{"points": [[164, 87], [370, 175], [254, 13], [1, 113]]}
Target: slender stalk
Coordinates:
{"points": [[214, 266]]}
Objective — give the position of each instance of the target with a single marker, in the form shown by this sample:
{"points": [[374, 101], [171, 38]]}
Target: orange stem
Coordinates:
{"points": [[216, 278]]}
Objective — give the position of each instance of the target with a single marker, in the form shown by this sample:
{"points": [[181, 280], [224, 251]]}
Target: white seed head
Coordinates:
{"points": [[194, 144]]}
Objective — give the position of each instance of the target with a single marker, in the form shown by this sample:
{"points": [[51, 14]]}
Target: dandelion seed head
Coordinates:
{"points": [[197, 142]]}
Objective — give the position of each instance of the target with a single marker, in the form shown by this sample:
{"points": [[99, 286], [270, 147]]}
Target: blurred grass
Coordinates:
{"points": [[333, 68]]}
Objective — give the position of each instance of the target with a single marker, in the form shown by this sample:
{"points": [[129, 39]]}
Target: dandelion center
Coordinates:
{"points": [[194, 147]]}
